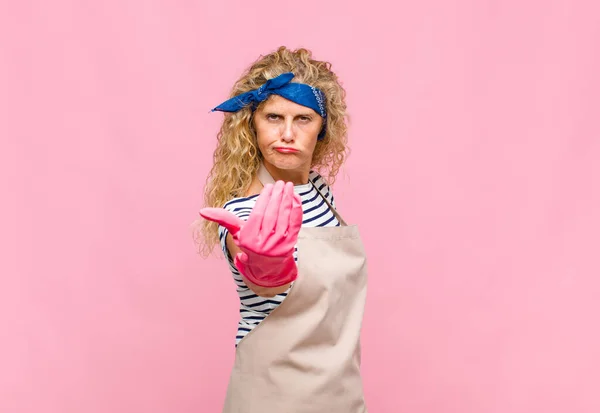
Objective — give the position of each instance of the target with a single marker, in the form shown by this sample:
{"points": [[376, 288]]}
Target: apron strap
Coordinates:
{"points": [[265, 178]]}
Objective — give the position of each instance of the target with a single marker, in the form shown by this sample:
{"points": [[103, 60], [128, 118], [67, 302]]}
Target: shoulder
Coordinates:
{"points": [[317, 179], [241, 206], [322, 185]]}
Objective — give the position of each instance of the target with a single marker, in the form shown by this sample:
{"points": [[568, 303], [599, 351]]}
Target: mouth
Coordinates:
{"points": [[285, 150]]}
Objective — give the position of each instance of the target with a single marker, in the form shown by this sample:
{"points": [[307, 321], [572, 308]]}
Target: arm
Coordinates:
{"points": [[263, 246]]}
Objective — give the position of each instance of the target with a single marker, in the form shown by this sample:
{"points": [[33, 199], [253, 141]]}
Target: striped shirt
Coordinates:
{"points": [[316, 213]]}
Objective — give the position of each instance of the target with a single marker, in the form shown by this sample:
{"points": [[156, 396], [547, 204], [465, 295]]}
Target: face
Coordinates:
{"points": [[287, 135]]}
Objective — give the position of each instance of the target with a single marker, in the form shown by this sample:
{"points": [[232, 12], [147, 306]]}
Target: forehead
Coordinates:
{"points": [[281, 104]]}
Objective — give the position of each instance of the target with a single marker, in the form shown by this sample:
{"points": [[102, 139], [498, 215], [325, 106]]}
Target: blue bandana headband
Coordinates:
{"points": [[282, 85]]}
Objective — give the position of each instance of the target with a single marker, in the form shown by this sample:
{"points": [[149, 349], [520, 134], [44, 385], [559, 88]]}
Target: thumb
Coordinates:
{"points": [[224, 218]]}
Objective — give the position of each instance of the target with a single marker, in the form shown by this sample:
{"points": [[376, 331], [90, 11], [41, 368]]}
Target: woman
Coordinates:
{"points": [[300, 270]]}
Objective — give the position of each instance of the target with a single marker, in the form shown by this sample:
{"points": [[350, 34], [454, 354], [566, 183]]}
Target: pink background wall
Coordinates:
{"points": [[474, 177]]}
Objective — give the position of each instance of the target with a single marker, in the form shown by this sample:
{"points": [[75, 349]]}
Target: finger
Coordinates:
{"points": [[296, 215], [224, 218], [258, 212], [283, 220], [272, 210]]}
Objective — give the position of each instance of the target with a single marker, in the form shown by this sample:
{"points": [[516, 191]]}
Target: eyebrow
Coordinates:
{"points": [[276, 112]]}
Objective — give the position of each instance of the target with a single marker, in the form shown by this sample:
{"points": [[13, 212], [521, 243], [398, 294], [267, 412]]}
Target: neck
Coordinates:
{"points": [[297, 177]]}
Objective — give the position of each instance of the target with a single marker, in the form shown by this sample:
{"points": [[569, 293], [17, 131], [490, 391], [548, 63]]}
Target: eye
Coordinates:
{"points": [[272, 116], [305, 118]]}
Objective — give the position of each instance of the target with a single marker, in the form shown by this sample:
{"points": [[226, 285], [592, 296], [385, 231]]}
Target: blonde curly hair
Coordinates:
{"points": [[237, 156]]}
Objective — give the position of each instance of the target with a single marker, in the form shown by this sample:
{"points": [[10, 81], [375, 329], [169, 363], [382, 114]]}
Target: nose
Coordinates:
{"points": [[287, 134]]}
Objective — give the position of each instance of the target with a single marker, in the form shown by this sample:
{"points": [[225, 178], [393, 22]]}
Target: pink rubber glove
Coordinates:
{"points": [[268, 238]]}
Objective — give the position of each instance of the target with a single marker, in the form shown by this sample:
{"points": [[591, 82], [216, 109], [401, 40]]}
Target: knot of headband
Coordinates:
{"points": [[282, 85]]}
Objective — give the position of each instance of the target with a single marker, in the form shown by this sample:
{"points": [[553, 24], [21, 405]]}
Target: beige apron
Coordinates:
{"points": [[305, 356]]}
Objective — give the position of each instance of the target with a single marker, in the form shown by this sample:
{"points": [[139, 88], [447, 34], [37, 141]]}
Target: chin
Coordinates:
{"points": [[286, 164]]}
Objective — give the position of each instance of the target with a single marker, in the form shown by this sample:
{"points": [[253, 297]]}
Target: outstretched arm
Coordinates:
{"points": [[263, 246]]}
